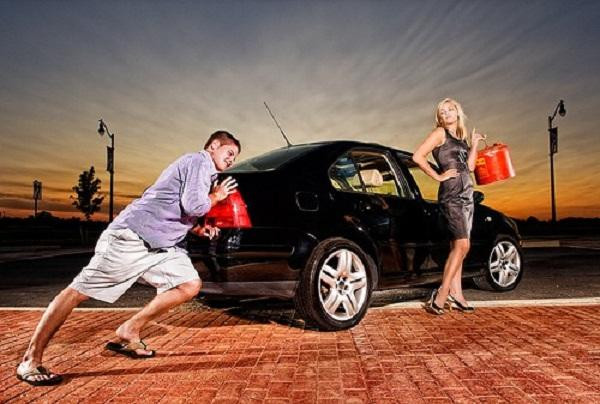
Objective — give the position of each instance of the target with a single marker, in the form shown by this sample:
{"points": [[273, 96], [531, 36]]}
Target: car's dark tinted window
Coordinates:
{"points": [[273, 159]]}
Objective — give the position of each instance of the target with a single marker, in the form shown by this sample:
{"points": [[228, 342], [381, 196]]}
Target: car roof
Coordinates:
{"points": [[278, 158], [353, 143]]}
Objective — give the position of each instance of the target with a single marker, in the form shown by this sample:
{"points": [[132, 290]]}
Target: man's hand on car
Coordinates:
{"points": [[206, 231], [223, 190]]}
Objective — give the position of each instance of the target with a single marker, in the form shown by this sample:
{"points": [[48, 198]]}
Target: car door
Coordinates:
{"points": [[416, 231], [363, 211], [424, 193], [370, 186], [439, 236]]}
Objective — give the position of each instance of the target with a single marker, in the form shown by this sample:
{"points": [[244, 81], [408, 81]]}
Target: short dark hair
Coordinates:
{"points": [[225, 138]]}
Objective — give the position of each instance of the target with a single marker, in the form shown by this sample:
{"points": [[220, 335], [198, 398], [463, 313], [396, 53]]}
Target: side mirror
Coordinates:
{"points": [[478, 197]]}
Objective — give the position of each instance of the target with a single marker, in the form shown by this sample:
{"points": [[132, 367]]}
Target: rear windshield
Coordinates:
{"points": [[272, 160]]}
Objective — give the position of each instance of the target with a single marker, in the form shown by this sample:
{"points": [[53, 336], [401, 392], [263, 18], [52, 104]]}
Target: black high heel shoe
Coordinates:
{"points": [[431, 306], [453, 303]]}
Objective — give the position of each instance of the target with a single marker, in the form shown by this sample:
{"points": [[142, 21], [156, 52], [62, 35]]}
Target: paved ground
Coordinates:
{"points": [[526, 354], [258, 351]]}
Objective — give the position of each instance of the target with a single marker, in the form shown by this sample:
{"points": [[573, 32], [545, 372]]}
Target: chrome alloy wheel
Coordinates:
{"points": [[505, 263], [342, 284]]}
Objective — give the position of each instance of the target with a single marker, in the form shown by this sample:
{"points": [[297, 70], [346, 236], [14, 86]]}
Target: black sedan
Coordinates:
{"points": [[327, 223]]}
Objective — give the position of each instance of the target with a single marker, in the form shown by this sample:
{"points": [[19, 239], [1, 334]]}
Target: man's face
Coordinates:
{"points": [[223, 155]]}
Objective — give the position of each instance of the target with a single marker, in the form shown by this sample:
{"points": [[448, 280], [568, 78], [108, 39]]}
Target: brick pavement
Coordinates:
{"points": [[541, 354]]}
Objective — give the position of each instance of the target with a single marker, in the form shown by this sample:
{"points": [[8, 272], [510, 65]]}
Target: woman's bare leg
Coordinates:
{"points": [[453, 266]]}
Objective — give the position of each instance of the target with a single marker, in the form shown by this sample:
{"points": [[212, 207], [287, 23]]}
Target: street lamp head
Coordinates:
{"points": [[101, 128], [561, 108]]}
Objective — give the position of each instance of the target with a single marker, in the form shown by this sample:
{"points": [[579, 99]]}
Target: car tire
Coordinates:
{"points": [[335, 288], [504, 268]]}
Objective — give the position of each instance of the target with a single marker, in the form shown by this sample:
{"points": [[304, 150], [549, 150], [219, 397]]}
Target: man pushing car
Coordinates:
{"points": [[143, 243]]}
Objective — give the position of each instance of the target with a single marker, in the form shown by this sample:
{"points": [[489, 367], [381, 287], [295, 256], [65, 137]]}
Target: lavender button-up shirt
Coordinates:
{"points": [[169, 208]]}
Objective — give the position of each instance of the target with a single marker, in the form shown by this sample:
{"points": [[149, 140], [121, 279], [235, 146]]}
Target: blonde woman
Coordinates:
{"points": [[447, 143]]}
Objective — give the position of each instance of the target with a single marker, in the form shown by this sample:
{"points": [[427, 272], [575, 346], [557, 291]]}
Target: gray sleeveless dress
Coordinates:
{"points": [[455, 195]]}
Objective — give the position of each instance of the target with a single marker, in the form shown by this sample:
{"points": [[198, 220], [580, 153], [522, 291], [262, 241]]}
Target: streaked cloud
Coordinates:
{"points": [[165, 75]]}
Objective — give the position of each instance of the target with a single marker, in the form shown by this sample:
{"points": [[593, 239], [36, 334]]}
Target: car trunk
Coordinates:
{"points": [[262, 193], [255, 252]]}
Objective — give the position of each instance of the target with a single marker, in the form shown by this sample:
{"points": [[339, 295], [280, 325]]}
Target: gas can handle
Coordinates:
{"points": [[484, 139]]}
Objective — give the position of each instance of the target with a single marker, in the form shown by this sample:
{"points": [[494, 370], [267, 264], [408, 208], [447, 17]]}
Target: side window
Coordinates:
{"points": [[368, 172], [376, 173], [344, 176]]}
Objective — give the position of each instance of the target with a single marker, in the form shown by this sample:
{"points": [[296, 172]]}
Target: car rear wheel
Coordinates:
{"points": [[504, 268], [335, 288]]}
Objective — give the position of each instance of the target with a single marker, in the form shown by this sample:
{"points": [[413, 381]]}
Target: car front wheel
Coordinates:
{"points": [[335, 288], [504, 268]]}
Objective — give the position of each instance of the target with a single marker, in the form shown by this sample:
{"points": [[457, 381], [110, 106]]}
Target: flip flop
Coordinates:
{"points": [[52, 378], [128, 349]]}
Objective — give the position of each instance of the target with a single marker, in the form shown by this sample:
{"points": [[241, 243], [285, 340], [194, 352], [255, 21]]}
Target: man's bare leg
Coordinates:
{"points": [[130, 330], [52, 319]]}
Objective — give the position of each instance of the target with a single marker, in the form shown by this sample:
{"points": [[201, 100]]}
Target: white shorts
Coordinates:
{"points": [[121, 258]]}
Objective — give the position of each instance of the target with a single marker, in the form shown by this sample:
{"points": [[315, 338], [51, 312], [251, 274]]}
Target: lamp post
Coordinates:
{"points": [[110, 163], [37, 194], [553, 141]]}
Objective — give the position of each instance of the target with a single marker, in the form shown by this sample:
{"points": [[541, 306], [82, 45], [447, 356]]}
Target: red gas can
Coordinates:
{"points": [[493, 164]]}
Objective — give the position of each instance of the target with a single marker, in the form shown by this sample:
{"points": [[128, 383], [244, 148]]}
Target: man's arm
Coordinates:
{"points": [[195, 172], [197, 198]]}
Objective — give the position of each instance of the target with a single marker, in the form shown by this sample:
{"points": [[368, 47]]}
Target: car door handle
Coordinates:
{"points": [[363, 206]]}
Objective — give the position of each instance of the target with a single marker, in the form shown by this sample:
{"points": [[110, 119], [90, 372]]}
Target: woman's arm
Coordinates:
{"points": [[475, 138], [434, 139]]}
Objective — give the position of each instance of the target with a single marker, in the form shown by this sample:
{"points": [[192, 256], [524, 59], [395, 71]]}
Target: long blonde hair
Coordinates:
{"points": [[461, 127]]}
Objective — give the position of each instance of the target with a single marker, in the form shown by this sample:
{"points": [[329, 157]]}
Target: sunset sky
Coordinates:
{"points": [[164, 75]]}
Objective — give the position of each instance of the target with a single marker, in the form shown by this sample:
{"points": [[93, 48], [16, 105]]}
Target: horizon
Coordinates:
{"points": [[163, 77], [94, 219]]}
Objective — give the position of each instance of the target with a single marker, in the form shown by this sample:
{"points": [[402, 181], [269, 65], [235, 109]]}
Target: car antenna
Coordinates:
{"points": [[277, 123]]}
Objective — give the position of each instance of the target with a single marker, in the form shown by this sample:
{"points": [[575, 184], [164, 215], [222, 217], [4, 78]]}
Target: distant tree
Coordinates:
{"points": [[44, 216], [88, 200]]}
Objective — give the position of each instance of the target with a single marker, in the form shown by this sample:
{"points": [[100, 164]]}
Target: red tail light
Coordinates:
{"points": [[230, 213]]}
